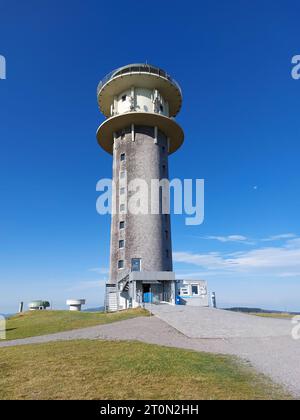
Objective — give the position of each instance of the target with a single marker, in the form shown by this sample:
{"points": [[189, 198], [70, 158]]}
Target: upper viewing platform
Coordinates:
{"points": [[140, 76]]}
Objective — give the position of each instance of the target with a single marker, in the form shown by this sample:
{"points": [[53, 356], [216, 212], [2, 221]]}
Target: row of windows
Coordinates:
{"points": [[194, 289], [161, 108], [136, 264]]}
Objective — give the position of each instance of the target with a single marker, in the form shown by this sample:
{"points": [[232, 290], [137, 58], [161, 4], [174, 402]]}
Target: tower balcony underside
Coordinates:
{"points": [[114, 86], [172, 130]]}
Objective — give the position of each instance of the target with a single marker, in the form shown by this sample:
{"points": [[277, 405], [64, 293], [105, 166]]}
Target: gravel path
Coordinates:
{"points": [[275, 355]]}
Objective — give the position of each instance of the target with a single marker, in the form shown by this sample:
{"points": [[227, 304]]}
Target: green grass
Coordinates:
{"points": [[30, 324], [126, 370]]}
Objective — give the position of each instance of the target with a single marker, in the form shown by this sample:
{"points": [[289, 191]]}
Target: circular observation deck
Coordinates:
{"points": [[140, 76], [167, 125]]}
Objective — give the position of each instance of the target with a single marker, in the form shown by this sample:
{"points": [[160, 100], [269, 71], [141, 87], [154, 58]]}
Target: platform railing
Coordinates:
{"points": [[137, 68]]}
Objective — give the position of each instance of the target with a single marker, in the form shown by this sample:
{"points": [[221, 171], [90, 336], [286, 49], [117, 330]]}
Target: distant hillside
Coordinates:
{"points": [[259, 311], [7, 315], [100, 309]]}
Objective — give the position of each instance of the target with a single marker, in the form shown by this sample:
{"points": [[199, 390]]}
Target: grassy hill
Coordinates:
{"points": [[30, 324], [126, 370]]}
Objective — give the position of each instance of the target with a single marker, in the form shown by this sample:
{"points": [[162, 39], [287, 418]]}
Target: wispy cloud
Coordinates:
{"points": [[230, 238], [274, 261], [99, 270], [280, 237]]}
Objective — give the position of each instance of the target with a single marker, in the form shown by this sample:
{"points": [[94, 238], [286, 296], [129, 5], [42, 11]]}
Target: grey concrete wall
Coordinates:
{"points": [[144, 235]]}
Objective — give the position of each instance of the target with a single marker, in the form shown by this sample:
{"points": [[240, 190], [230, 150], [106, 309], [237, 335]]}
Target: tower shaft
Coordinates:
{"points": [[139, 242]]}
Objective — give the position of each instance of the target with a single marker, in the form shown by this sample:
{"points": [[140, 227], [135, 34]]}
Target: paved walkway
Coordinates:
{"points": [[276, 354], [196, 322]]}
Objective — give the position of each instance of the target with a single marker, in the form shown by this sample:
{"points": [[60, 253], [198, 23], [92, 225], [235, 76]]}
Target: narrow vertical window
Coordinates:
{"points": [[136, 264], [120, 264], [122, 157], [195, 289]]}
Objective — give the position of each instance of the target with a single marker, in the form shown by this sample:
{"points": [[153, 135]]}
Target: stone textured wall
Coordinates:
{"points": [[145, 235]]}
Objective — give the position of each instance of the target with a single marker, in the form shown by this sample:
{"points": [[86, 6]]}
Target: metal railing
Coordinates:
{"points": [[137, 68]]}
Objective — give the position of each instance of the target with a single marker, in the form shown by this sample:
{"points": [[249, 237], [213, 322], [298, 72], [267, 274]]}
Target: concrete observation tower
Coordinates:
{"points": [[139, 102]]}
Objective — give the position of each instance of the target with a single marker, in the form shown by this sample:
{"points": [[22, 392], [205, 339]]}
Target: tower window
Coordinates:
{"points": [[122, 157], [122, 190], [161, 108], [121, 243], [167, 234], [164, 169], [122, 174], [122, 208], [167, 253], [135, 264], [120, 264], [163, 149], [124, 98], [122, 225]]}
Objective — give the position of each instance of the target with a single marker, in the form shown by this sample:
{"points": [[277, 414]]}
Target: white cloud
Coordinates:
{"points": [[267, 261], [229, 238], [279, 237], [99, 270]]}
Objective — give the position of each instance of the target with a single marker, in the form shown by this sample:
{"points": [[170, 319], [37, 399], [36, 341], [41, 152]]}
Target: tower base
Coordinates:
{"points": [[137, 289]]}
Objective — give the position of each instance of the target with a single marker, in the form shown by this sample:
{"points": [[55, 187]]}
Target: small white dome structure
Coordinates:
{"points": [[75, 304]]}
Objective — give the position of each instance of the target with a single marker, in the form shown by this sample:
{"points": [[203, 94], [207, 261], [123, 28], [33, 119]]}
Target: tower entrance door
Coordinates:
{"points": [[147, 295]]}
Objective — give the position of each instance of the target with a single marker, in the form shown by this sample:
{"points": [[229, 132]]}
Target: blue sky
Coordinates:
{"points": [[241, 121]]}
